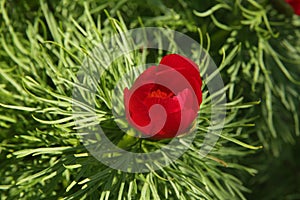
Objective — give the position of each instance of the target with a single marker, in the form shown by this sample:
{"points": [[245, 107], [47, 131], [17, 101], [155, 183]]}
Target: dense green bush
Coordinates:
{"points": [[255, 44]]}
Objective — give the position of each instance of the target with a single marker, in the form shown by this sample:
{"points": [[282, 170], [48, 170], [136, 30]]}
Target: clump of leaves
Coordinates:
{"points": [[265, 65], [41, 151]]}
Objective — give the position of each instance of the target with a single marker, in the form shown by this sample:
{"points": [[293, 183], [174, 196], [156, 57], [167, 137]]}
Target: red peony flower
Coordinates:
{"points": [[295, 4], [164, 100]]}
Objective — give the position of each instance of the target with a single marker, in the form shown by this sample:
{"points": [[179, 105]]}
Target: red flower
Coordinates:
{"points": [[164, 100], [295, 5]]}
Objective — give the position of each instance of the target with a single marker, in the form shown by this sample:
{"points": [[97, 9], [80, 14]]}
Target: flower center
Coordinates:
{"points": [[159, 94]]}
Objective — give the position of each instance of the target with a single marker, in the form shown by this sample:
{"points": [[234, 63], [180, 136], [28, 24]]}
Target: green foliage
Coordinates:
{"points": [[43, 44], [266, 61]]}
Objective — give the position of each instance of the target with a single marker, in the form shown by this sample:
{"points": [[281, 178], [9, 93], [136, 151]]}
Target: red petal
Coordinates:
{"points": [[172, 109], [136, 110], [179, 119], [188, 69], [147, 77], [295, 4], [189, 110]]}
